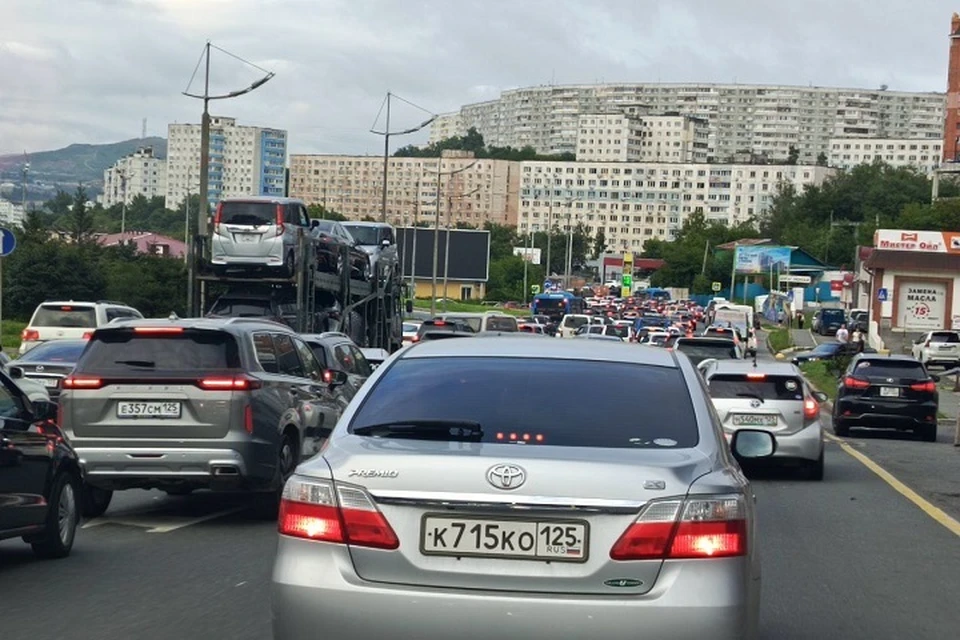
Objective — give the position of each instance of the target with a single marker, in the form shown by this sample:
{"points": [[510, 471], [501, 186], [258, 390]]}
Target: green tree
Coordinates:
{"points": [[80, 223], [599, 244], [822, 160], [319, 212], [793, 156]]}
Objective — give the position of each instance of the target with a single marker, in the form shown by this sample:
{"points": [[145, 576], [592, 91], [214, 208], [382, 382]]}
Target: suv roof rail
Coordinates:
{"points": [[333, 334], [253, 321], [121, 304]]}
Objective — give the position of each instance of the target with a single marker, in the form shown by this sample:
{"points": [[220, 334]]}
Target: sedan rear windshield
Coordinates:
{"points": [[697, 352], [501, 324], [248, 213], [759, 386], [123, 352], [55, 351], [890, 369], [575, 322], [242, 308], [65, 315], [539, 397], [832, 315]]}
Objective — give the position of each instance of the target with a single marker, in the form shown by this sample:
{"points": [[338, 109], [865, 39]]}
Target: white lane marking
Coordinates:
{"points": [[158, 524], [173, 526]]}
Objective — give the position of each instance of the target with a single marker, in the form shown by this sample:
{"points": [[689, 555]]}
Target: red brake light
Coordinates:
{"points": [[756, 376], [229, 383], [280, 220], [157, 330], [309, 509], [439, 323], [855, 383], [88, 335], [82, 382], [248, 418], [811, 409], [928, 387], [28, 335], [66, 308], [218, 216], [327, 376], [702, 527], [415, 339]]}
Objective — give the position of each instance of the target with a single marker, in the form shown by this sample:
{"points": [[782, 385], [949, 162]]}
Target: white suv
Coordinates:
{"points": [[71, 320], [938, 347]]}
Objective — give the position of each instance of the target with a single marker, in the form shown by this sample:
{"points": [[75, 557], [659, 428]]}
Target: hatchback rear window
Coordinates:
{"points": [[242, 308], [497, 392], [890, 369], [759, 386], [832, 315], [124, 352], [945, 336], [697, 352], [501, 324], [248, 213], [65, 315]]}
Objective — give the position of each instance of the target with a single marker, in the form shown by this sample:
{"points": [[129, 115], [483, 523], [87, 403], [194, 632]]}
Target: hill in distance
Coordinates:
{"points": [[77, 163]]}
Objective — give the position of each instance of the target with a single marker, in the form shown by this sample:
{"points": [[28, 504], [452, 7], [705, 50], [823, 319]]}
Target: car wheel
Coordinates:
{"points": [[267, 503], [289, 265], [840, 427], [94, 501], [928, 433], [63, 515], [814, 470]]}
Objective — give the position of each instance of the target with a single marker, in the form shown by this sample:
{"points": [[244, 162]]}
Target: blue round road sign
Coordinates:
{"points": [[8, 242]]}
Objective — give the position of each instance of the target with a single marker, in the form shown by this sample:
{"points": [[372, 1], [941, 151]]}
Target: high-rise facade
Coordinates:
{"points": [[922, 154], [244, 161], [472, 190], [758, 120], [632, 202], [138, 174]]}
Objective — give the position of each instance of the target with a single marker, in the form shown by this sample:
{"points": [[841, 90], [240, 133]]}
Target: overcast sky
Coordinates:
{"points": [[91, 70]]}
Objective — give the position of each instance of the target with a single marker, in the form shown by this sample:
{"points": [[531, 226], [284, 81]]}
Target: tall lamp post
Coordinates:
{"points": [[386, 133], [436, 230], [569, 261], [199, 245]]}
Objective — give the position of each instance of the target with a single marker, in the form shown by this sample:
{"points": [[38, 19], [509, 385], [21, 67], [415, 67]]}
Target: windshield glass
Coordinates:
{"points": [[324, 226], [945, 336], [241, 308], [764, 387], [496, 392], [890, 369], [475, 324], [832, 315], [248, 213], [364, 235], [698, 352], [501, 323], [55, 351], [65, 315], [575, 322], [827, 347], [125, 353]]}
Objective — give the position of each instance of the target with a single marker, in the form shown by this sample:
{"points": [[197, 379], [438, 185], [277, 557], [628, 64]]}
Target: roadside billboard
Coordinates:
{"points": [[923, 306], [760, 260], [530, 254]]}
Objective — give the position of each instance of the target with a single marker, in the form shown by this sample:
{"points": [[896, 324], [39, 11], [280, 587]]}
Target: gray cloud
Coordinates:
{"points": [[89, 70]]}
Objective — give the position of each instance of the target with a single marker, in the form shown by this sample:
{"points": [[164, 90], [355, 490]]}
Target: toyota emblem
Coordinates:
{"points": [[755, 403], [39, 368], [506, 476]]}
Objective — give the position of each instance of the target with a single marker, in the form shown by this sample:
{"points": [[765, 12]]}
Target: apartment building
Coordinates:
{"points": [[623, 137], [11, 215], [761, 120], [920, 153], [472, 190], [244, 161], [632, 202], [139, 174]]}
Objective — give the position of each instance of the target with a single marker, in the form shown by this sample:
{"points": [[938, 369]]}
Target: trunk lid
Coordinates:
{"points": [[773, 403], [66, 321], [457, 529]]}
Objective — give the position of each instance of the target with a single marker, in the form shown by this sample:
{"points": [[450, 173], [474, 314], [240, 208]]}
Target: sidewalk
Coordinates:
{"points": [[802, 339]]}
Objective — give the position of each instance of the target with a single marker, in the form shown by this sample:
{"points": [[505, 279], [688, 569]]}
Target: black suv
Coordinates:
{"points": [[893, 392], [337, 352], [184, 404], [40, 477], [255, 303]]}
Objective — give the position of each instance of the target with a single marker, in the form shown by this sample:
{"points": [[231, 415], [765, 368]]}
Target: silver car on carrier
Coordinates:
{"points": [[469, 492]]}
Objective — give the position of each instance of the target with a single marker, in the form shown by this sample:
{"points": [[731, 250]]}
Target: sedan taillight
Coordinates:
{"points": [[311, 509], [699, 527]]}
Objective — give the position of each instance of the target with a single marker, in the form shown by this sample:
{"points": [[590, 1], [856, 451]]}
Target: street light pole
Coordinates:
{"points": [[549, 235], [413, 253], [199, 246], [436, 232]]}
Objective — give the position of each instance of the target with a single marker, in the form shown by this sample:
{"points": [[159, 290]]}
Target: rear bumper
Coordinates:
{"points": [[806, 444], [934, 357], [886, 415], [224, 253], [316, 592], [241, 465]]}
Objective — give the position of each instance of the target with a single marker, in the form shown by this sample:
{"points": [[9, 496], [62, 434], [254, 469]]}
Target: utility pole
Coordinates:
{"points": [[23, 185], [436, 231], [549, 235], [386, 133], [199, 247]]}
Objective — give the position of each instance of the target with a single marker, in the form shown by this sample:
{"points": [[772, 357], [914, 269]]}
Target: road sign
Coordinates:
{"points": [[8, 242], [627, 282], [789, 279], [882, 295], [534, 289], [716, 286]]}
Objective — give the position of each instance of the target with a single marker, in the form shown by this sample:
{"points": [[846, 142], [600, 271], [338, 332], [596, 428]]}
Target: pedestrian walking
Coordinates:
{"points": [[800, 320], [842, 334], [856, 340], [780, 317]]}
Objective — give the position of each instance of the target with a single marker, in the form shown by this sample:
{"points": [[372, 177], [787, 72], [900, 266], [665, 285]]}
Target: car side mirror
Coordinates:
{"points": [[751, 444], [409, 307], [314, 224], [15, 372], [821, 396], [44, 410], [385, 242], [334, 377], [935, 378]]}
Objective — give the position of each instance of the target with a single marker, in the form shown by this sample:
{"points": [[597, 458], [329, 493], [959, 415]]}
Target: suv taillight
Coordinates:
{"points": [[229, 383], [82, 382], [280, 227], [926, 387], [217, 217], [698, 527], [29, 334], [855, 383], [319, 510]]}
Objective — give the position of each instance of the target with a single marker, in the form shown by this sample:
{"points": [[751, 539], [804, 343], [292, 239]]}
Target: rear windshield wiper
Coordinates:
{"points": [[146, 364], [424, 430], [755, 396]]}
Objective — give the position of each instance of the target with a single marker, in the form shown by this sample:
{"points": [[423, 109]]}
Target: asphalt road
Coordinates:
{"points": [[845, 558]]}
